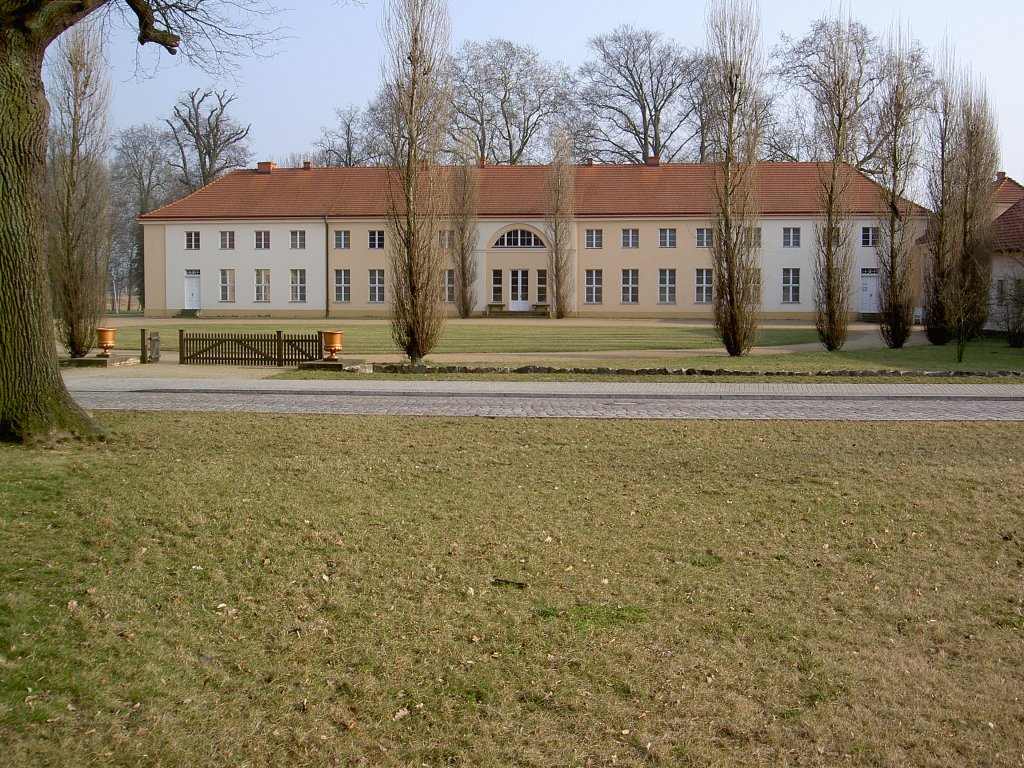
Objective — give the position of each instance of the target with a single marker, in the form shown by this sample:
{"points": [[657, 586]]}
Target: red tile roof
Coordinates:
{"points": [[1010, 228], [1008, 190], [607, 191]]}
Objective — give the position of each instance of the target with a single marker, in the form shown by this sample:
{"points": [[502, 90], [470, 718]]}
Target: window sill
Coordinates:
{"points": [[666, 303]]}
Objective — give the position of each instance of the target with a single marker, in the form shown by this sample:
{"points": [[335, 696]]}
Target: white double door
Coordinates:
{"points": [[519, 290]]}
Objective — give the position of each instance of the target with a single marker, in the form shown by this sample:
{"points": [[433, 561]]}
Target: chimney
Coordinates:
{"points": [[652, 160], [588, 161], [1000, 177], [265, 167], [307, 166], [481, 162]]}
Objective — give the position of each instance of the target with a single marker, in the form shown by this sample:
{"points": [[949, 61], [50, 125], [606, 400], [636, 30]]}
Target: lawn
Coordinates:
{"points": [[538, 336], [405, 592]]}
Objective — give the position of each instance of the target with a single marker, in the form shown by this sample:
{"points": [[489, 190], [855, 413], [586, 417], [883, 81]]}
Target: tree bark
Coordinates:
{"points": [[34, 403]]}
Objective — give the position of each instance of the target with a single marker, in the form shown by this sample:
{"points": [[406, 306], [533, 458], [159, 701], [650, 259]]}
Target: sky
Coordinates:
{"points": [[331, 53]]}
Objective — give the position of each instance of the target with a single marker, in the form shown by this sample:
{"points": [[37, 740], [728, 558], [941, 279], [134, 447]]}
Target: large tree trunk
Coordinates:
{"points": [[34, 403]]}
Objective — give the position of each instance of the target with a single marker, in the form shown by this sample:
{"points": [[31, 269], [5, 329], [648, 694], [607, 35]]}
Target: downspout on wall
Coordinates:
{"points": [[327, 268]]}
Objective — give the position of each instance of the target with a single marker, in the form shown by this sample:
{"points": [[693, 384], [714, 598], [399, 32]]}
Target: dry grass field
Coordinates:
{"points": [[224, 590]]}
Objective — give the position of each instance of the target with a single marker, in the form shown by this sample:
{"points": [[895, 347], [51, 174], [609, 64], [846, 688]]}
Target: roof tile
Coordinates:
{"points": [[602, 191], [1010, 228]]}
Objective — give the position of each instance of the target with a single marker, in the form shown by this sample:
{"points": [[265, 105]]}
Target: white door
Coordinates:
{"points": [[192, 300], [869, 291], [519, 290]]}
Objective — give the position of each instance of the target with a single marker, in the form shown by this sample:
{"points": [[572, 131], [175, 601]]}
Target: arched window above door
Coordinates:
{"points": [[519, 238]]}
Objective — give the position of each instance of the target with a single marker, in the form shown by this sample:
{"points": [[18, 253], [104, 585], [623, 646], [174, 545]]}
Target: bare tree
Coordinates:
{"points": [[208, 140], [903, 97], [737, 102], [78, 221], [789, 130], [344, 145], [504, 95], [963, 156], [465, 193], [835, 67], [34, 403], [559, 213], [143, 180], [415, 97], [641, 90]]}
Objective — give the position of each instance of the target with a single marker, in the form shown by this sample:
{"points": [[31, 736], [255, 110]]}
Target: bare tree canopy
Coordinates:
{"points": [[963, 154], [346, 144], [34, 404], [78, 200], [505, 95], [836, 67], [208, 140], [641, 93], [736, 105], [559, 217], [465, 201], [414, 106], [904, 91], [143, 180]]}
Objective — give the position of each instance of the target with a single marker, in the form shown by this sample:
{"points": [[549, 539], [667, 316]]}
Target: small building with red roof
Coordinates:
{"points": [[1008, 261]]}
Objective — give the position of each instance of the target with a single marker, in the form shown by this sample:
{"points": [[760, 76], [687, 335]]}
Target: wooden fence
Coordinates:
{"points": [[276, 348]]}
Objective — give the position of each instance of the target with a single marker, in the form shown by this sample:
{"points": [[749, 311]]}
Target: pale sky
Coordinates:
{"points": [[332, 56]]}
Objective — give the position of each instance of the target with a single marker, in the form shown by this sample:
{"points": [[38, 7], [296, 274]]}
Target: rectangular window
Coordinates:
{"points": [[595, 238], [631, 238], [446, 239], [262, 239], [790, 286], [376, 239], [298, 239], [342, 286], [342, 239], [594, 287], [704, 238], [667, 286], [869, 237], [227, 285], [1000, 293], [227, 240], [191, 241], [376, 286], [496, 292], [752, 236], [667, 237], [298, 285], [262, 285], [703, 283], [449, 285], [791, 237], [630, 286], [542, 286]]}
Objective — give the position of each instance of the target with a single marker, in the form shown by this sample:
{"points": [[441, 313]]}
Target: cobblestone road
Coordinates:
{"points": [[562, 399]]}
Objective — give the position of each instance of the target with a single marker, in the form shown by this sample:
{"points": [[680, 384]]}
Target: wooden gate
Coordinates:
{"points": [[276, 348]]}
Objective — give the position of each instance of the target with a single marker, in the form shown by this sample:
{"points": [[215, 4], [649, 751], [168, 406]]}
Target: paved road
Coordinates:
{"points": [[560, 399]]}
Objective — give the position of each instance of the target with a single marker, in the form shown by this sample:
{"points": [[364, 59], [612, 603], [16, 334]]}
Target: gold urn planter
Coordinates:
{"points": [[332, 344], [105, 340]]}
